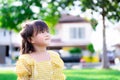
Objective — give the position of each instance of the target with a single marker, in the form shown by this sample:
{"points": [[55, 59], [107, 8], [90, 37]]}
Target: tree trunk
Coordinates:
{"points": [[105, 61]]}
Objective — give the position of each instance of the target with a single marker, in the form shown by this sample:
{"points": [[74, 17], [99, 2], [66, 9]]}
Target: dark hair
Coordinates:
{"points": [[29, 29]]}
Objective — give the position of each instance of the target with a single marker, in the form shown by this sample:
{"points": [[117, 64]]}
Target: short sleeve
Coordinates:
{"points": [[58, 66], [23, 69], [59, 70]]}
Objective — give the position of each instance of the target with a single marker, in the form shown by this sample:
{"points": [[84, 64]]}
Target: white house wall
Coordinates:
{"points": [[5, 37], [65, 33], [4, 40]]}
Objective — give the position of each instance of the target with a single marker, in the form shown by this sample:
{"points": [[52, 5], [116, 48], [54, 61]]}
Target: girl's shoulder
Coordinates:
{"points": [[25, 58], [56, 59], [53, 53]]}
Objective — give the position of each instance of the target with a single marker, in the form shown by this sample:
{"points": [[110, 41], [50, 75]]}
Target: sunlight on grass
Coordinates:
{"points": [[92, 74], [7, 75], [73, 74]]}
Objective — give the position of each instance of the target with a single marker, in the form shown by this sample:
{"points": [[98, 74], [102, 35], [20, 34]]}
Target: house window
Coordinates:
{"points": [[4, 33], [77, 32]]}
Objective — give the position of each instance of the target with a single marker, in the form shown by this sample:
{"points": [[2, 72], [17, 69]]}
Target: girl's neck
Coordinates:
{"points": [[40, 49]]}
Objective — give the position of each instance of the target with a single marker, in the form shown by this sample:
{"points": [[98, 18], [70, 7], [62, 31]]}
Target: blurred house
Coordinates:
{"points": [[71, 31], [117, 50], [117, 45], [8, 43]]}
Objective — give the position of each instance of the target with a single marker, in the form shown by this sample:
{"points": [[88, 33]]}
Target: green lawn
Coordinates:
{"points": [[92, 74], [76, 74], [7, 75]]}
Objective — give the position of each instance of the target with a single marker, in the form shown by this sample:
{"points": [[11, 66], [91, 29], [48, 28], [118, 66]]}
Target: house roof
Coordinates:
{"points": [[67, 18]]}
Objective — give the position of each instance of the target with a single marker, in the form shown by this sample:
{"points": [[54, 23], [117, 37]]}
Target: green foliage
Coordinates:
{"points": [[94, 23], [75, 50], [13, 13], [111, 8], [12, 16], [90, 47]]}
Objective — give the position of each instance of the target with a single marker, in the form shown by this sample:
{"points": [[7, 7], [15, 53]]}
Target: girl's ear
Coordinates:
{"points": [[32, 40]]}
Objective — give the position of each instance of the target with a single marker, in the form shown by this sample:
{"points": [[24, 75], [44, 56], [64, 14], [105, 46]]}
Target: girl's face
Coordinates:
{"points": [[41, 39]]}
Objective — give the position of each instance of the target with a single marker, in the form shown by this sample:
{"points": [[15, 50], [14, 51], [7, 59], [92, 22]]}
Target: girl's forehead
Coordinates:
{"points": [[40, 29]]}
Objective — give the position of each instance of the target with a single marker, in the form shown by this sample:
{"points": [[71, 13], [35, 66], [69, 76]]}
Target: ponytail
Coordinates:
{"points": [[26, 47]]}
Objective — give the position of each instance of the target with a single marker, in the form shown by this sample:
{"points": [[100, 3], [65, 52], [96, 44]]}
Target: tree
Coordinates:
{"points": [[109, 9], [14, 12]]}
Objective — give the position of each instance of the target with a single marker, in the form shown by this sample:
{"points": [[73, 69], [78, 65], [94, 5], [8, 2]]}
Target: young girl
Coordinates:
{"points": [[35, 62]]}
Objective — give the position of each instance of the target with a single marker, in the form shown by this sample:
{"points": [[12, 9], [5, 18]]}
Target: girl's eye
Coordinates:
{"points": [[45, 31], [42, 32]]}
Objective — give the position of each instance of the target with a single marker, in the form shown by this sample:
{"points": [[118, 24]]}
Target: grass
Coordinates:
{"points": [[92, 74], [76, 74], [7, 75]]}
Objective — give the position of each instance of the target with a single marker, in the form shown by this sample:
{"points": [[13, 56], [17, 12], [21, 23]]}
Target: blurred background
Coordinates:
{"points": [[75, 28], [84, 32]]}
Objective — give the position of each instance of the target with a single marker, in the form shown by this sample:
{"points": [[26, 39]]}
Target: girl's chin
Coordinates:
{"points": [[47, 43]]}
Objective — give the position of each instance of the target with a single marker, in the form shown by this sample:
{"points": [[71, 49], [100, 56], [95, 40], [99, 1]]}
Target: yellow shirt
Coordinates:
{"points": [[28, 69]]}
